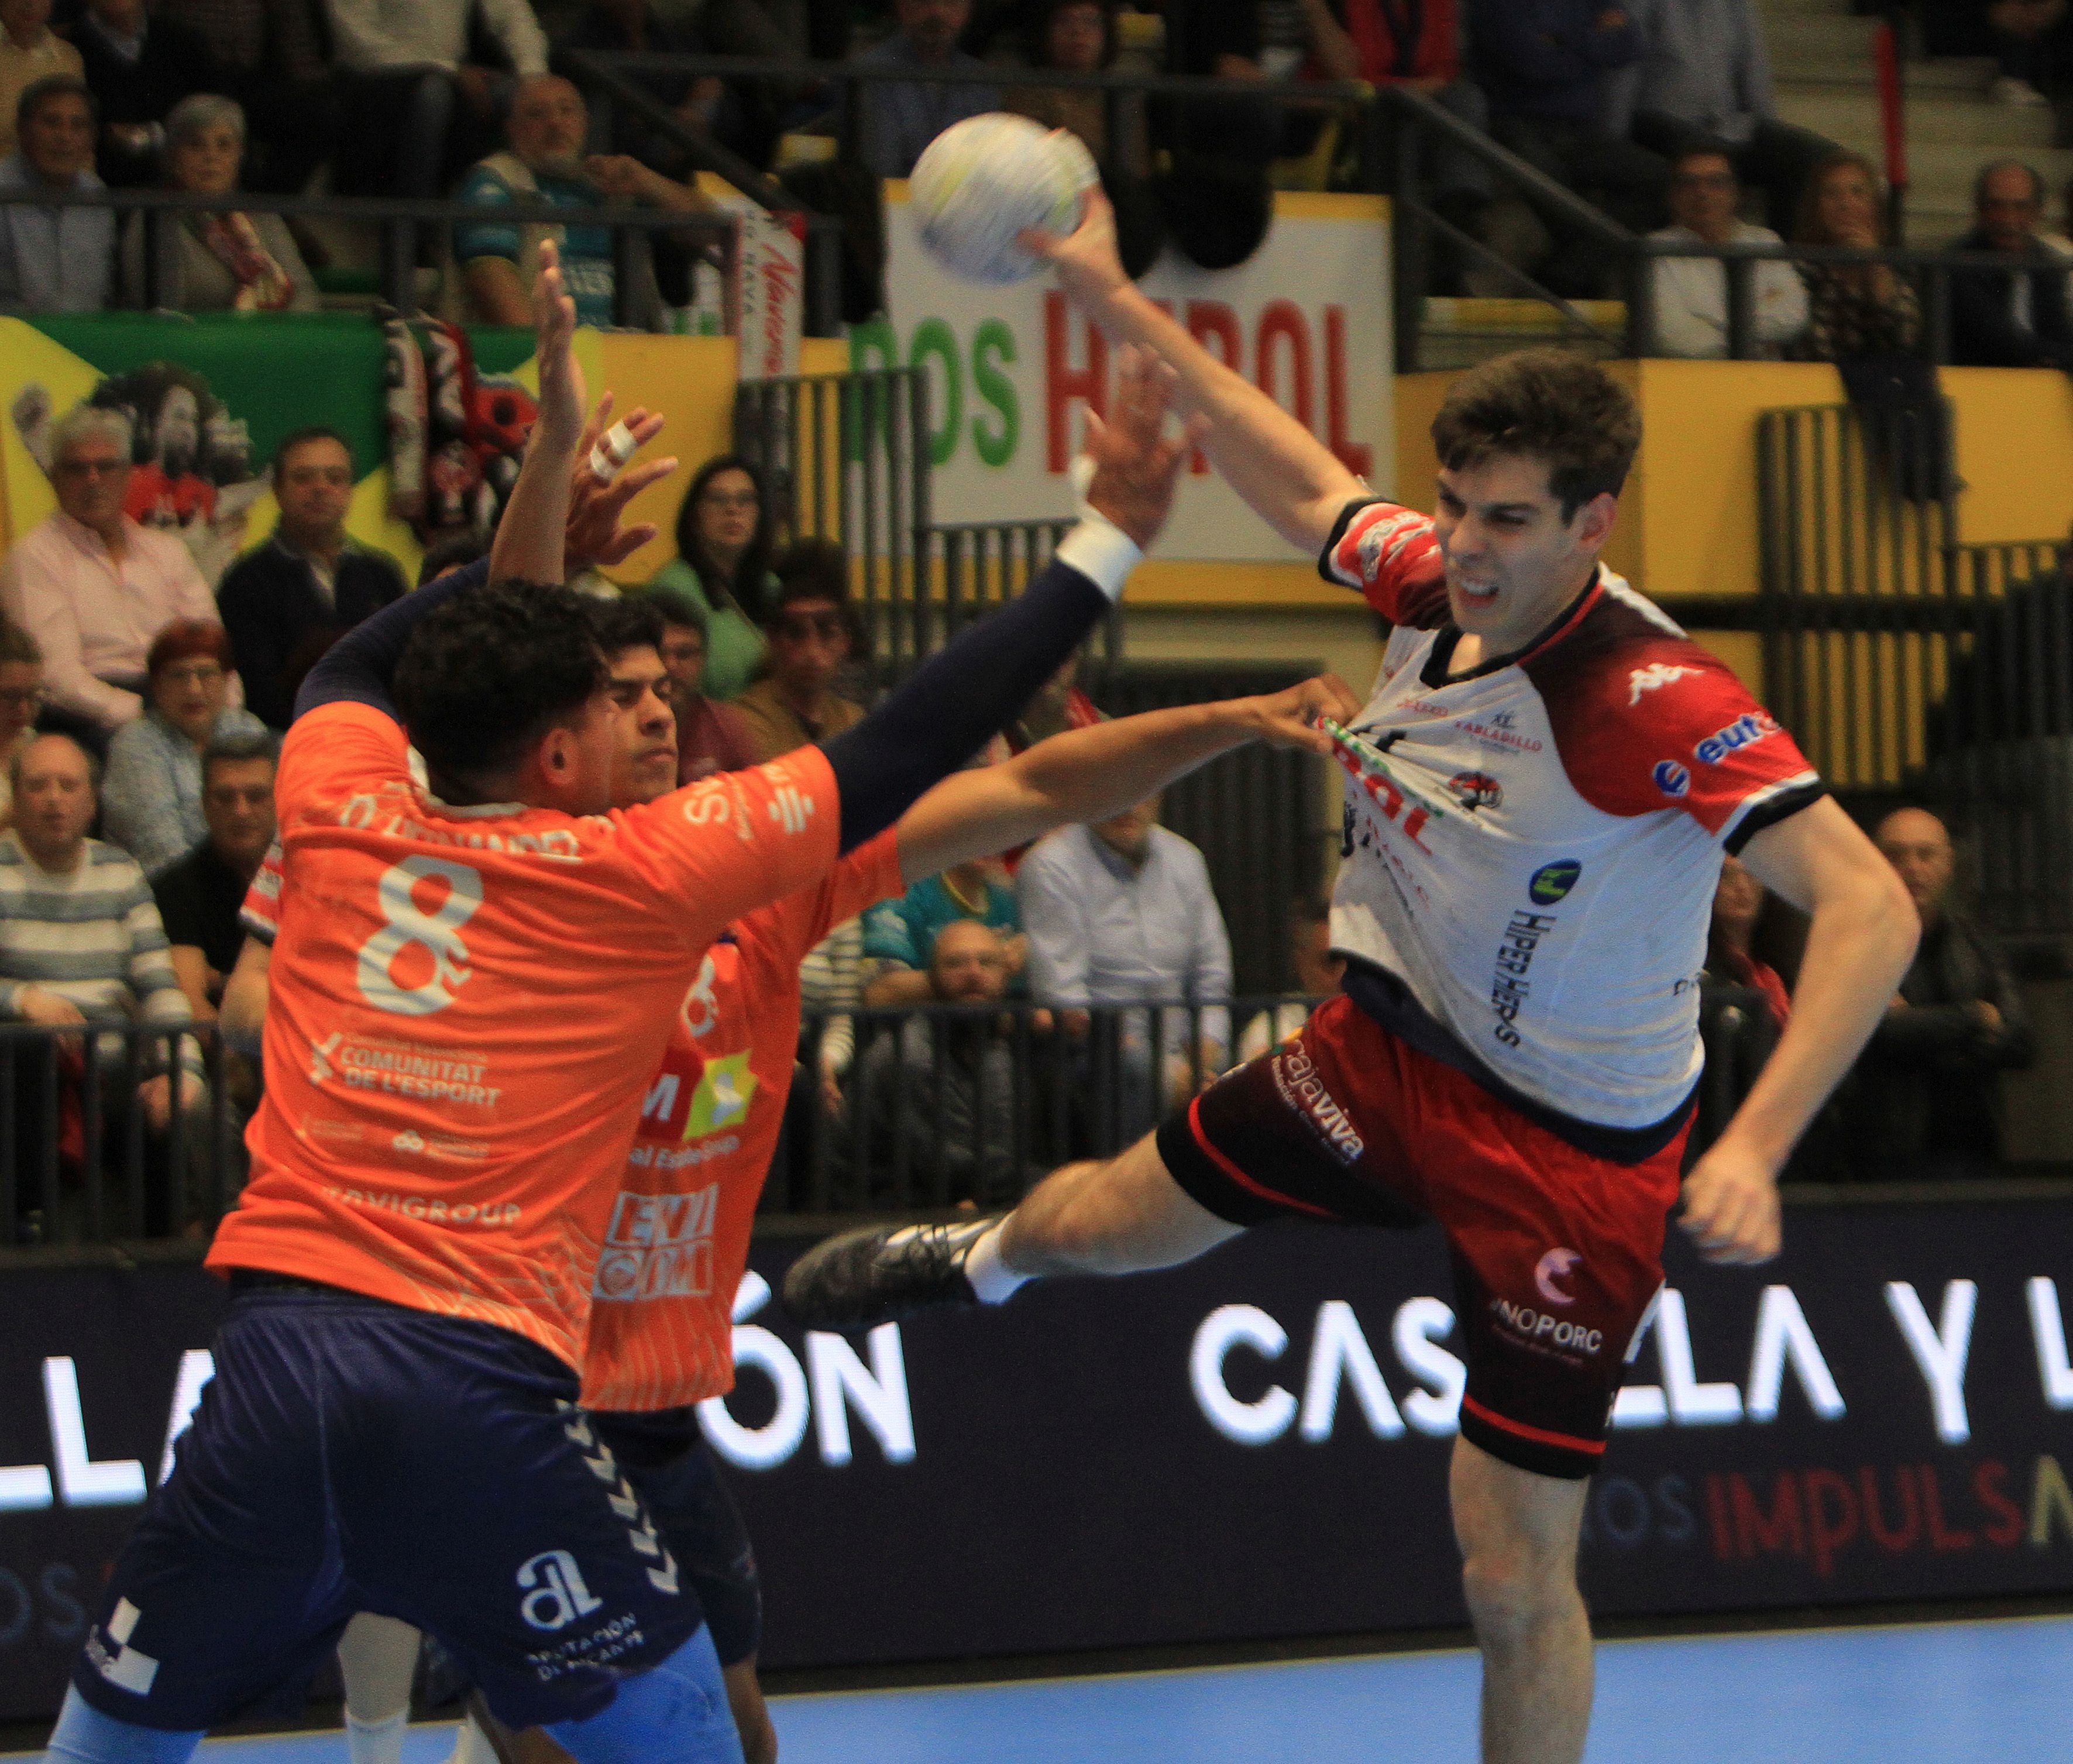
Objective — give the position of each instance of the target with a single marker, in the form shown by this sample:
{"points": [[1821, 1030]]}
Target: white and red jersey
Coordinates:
{"points": [[1530, 850]]}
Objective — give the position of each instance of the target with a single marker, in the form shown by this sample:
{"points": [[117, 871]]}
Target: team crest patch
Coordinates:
{"points": [[1551, 881]]}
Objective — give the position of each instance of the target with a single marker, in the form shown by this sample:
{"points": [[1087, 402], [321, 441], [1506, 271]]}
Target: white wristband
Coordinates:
{"points": [[1097, 547]]}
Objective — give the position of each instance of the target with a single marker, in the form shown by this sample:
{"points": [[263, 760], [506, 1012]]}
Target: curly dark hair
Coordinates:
{"points": [[634, 622], [485, 676], [748, 585], [1549, 404]]}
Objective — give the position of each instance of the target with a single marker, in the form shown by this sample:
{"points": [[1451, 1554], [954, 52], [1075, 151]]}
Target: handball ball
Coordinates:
{"points": [[983, 180]]}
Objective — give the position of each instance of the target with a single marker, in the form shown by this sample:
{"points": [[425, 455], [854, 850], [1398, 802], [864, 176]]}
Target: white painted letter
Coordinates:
{"points": [[1691, 1404], [760, 1448], [1940, 1352], [1783, 1334], [82, 1482], [1420, 1325], [879, 1394], [197, 1367], [1338, 1350], [1227, 1327], [2049, 1327]]}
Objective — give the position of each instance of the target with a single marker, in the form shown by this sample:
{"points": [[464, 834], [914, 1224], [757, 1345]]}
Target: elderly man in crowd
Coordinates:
{"points": [[899, 118], [1692, 293], [545, 162], [1925, 1096], [54, 260], [940, 1094], [2016, 317], [1121, 913], [80, 943], [199, 897], [285, 602], [91, 586]]}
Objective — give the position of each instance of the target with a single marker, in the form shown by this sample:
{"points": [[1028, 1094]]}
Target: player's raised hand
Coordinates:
{"points": [[1731, 1208], [1086, 259], [1289, 719], [596, 502], [562, 394], [1135, 465]]}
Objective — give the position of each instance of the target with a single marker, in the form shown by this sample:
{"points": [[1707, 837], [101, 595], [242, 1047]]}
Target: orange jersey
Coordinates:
{"points": [[464, 1004], [661, 1324]]}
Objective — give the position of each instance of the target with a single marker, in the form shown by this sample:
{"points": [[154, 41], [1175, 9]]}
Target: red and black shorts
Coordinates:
{"points": [[1558, 1255]]}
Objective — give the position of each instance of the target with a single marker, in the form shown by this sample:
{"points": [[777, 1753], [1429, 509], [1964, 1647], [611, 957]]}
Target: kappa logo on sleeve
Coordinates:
{"points": [[1653, 677]]}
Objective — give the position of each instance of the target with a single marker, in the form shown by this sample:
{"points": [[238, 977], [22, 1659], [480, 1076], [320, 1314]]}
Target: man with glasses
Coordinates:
{"points": [[92, 587], [796, 701], [21, 697], [1692, 293]]}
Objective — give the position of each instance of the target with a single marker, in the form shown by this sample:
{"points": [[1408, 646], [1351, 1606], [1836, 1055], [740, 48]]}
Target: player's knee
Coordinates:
{"points": [[1513, 1585]]}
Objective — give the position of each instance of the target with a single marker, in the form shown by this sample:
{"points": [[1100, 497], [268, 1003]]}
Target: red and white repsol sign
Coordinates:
{"points": [[1012, 371]]}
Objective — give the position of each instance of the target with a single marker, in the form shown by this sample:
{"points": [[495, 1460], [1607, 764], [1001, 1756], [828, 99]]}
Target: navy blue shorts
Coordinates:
{"points": [[666, 1458], [351, 1455]]}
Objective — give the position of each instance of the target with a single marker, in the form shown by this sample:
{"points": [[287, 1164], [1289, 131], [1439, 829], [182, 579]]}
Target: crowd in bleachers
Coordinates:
{"points": [[1660, 112]]}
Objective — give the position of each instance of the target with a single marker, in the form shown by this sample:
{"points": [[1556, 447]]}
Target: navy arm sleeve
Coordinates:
{"points": [[359, 665], [944, 713]]}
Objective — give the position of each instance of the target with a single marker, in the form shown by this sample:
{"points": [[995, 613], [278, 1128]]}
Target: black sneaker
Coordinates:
{"points": [[864, 1278]]}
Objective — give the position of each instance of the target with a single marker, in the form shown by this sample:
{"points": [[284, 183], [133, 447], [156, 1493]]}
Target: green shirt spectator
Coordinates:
{"points": [[586, 262], [902, 933], [722, 563]]}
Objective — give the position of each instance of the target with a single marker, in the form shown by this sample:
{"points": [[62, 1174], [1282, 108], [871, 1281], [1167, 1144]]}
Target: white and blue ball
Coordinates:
{"points": [[984, 180]]}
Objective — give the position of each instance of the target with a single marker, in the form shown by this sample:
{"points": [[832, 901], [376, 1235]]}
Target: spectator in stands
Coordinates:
{"points": [[152, 803], [2017, 317], [744, 115], [1692, 293], [54, 260], [942, 1090], [1737, 904], [1316, 970], [91, 586], [225, 260], [1542, 65], [1925, 1093], [813, 634], [284, 603], [1854, 310], [30, 51], [81, 942], [21, 697], [1078, 36], [710, 737], [1120, 913], [268, 56], [900, 118], [2033, 44], [724, 541], [414, 106], [1703, 77], [199, 897], [138, 68], [900, 935]]}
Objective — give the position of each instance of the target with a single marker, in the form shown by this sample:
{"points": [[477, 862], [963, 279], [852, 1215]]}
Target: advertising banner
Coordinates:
{"points": [[1252, 1447], [1306, 318]]}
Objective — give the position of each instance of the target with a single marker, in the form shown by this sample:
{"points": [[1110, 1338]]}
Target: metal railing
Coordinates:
{"points": [[88, 1155]]}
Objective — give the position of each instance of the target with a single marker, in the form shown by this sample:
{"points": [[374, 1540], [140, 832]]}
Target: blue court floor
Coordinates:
{"points": [[1955, 1693]]}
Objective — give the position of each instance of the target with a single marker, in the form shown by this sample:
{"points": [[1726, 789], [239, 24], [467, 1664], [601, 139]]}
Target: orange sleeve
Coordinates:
{"points": [[335, 751], [729, 844], [868, 875]]}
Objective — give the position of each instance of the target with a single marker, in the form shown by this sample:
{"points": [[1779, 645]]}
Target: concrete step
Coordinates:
{"points": [[1809, 42], [1957, 74], [1932, 119]]}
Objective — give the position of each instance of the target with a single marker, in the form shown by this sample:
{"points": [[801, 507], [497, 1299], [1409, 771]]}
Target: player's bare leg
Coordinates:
{"points": [[377, 1657], [1118, 1215], [751, 1714], [1518, 1532]]}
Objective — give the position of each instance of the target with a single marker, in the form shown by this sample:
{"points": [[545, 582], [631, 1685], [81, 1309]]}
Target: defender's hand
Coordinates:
{"points": [[594, 534], [1731, 1208], [562, 394], [1086, 259], [1136, 467], [1289, 719]]}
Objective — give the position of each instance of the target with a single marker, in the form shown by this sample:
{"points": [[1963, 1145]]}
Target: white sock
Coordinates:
{"points": [[992, 1279], [472, 1745], [376, 1742]]}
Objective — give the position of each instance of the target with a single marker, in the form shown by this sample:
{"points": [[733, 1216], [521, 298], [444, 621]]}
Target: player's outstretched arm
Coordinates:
{"points": [[1858, 947], [946, 712], [1090, 774], [1296, 483]]}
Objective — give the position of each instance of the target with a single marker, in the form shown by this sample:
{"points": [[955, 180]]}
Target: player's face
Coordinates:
{"points": [[643, 757], [1513, 562]]}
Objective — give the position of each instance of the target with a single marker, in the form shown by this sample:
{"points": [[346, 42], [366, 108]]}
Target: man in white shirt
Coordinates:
{"points": [[415, 109], [1692, 293], [91, 586]]}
